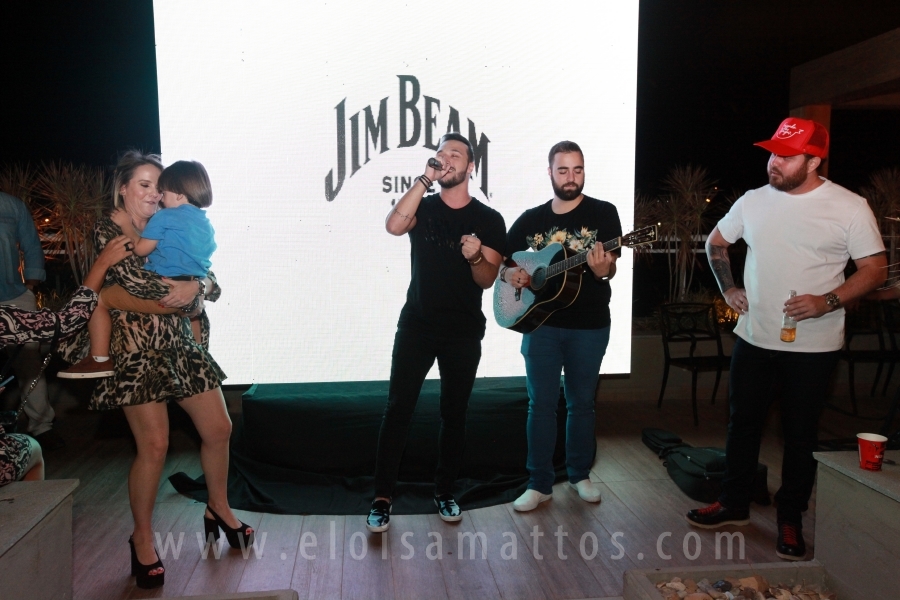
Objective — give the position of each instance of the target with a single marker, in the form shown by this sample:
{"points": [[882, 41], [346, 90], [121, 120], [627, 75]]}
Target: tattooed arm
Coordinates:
{"points": [[717, 253]]}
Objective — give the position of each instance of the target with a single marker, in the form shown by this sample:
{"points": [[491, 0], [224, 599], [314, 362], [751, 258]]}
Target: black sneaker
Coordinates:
{"points": [[447, 507], [716, 515], [379, 518], [790, 544]]}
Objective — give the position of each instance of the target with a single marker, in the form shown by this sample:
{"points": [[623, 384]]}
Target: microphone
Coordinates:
{"points": [[435, 164]]}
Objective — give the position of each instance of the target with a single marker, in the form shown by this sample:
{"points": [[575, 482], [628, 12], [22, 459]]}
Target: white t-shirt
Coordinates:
{"points": [[798, 242]]}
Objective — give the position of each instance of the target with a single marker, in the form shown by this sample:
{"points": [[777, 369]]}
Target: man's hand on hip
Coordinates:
{"points": [[736, 298]]}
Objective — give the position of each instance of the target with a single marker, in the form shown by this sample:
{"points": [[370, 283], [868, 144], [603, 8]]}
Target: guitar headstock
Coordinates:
{"points": [[644, 235]]}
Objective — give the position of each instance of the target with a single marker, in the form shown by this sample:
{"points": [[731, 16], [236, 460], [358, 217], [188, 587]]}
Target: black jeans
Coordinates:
{"points": [[802, 379], [414, 354]]}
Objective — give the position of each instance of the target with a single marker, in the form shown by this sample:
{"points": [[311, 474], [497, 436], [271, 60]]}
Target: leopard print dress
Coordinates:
{"points": [[19, 326], [156, 356]]}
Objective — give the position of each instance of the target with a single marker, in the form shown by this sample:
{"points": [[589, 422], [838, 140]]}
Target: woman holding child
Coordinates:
{"points": [[157, 359]]}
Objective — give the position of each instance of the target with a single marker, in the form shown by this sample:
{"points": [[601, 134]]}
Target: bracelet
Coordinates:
{"points": [[475, 262], [503, 271], [425, 181], [193, 305]]}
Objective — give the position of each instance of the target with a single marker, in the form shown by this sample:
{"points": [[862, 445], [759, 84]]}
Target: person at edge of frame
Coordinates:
{"points": [[801, 230]]}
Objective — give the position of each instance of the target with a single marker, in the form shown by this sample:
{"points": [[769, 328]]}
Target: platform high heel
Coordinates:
{"points": [[237, 537], [141, 572]]}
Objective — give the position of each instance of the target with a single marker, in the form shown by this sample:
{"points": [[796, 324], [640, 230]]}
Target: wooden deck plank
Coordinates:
{"points": [[466, 575], [516, 575], [278, 539], [319, 576], [413, 571], [100, 553], [367, 562], [548, 540], [662, 509], [592, 542], [625, 530], [213, 572]]}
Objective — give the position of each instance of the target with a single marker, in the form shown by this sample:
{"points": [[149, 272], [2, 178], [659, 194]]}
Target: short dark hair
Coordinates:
{"points": [[455, 136], [128, 164], [564, 146], [187, 177]]}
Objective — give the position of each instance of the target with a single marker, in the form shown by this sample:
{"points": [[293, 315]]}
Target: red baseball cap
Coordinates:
{"points": [[798, 136]]}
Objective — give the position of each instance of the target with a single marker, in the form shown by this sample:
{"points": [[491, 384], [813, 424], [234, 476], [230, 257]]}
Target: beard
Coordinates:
{"points": [[569, 191], [786, 183], [452, 179]]}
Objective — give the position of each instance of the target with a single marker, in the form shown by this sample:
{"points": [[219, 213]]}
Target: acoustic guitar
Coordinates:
{"points": [[555, 281]]}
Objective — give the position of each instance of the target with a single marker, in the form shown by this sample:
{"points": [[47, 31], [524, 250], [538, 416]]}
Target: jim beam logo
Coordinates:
{"points": [[413, 130]]}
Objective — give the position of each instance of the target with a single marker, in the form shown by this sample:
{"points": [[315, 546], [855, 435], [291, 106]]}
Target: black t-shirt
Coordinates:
{"points": [[443, 299], [589, 222]]}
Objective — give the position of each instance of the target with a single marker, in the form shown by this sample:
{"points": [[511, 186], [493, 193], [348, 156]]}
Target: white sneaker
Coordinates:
{"points": [[587, 490], [530, 500]]}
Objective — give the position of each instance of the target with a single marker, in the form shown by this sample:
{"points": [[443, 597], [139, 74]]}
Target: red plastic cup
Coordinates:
{"points": [[871, 450]]}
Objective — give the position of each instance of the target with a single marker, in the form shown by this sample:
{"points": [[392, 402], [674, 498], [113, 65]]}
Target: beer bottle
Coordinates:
{"points": [[789, 325]]}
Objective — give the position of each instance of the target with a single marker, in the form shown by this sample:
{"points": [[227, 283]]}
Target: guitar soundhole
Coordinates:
{"points": [[538, 278]]}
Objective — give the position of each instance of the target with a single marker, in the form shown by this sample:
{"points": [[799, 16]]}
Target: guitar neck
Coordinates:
{"points": [[580, 258]]}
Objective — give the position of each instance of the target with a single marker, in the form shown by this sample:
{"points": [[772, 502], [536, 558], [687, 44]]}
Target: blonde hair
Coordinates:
{"points": [[128, 163]]}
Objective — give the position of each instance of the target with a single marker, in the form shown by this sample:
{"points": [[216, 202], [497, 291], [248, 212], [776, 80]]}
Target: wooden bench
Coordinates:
{"points": [[36, 539]]}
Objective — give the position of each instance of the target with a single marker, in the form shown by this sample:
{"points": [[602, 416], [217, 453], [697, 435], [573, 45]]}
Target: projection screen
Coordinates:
{"points": [[312, 117]]}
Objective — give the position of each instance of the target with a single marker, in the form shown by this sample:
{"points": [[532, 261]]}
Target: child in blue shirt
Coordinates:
{"points": [[178, 241]]}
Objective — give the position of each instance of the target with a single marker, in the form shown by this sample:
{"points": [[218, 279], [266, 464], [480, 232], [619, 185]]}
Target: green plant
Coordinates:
{"points": [[71, 199], [680, 213], [883, 193], [18, 180]]}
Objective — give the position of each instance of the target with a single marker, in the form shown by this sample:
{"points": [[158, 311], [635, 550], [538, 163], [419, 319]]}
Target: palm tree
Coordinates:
{"points": [[18, 180], [680, 214], [72, 199], [883, 193]]}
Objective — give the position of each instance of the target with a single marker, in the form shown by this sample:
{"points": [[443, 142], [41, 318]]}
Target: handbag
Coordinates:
{"points": [[9, 419]]}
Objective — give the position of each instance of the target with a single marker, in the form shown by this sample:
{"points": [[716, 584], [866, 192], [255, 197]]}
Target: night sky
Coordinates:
{"points": [[79, 83]]}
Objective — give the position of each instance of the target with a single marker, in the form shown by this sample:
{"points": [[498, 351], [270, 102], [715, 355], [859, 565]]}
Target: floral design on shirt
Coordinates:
{"points": [[579, 241]]}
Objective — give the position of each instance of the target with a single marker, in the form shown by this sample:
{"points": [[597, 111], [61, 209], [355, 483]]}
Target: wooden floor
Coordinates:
{"points": [[582, 551]]}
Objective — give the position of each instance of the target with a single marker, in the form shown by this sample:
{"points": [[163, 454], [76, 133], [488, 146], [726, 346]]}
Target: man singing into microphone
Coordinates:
{"points": [[457, 244]]}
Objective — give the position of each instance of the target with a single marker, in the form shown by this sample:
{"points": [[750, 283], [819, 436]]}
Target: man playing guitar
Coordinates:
{"points": [[573, 338]]}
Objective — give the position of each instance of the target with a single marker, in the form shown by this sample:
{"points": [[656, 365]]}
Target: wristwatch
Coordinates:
{"points": [[202, 289], [832, 300]]}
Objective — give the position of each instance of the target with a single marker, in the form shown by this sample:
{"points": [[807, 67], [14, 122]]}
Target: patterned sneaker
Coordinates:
{"points": [[716, 515], [379, 518], [88, 368], [447, 507], [790, 545]]}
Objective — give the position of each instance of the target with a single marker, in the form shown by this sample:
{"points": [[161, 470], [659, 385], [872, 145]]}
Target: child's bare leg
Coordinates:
{"points": [[97, 363], [100, 329], [195, 327]]}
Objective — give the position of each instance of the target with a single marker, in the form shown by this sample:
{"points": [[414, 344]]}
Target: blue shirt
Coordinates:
{"points": [[186, 241], [17, 233]]}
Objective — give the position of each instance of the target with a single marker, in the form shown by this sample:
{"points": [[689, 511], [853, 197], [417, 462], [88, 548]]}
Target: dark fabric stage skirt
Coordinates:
{"points": [[310, 449]]}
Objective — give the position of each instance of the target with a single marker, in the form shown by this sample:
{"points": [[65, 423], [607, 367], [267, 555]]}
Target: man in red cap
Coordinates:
{"points": [[800, 230]]}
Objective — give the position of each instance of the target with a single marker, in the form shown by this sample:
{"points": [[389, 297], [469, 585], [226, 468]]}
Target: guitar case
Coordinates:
{"points": [[698, 472]]}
